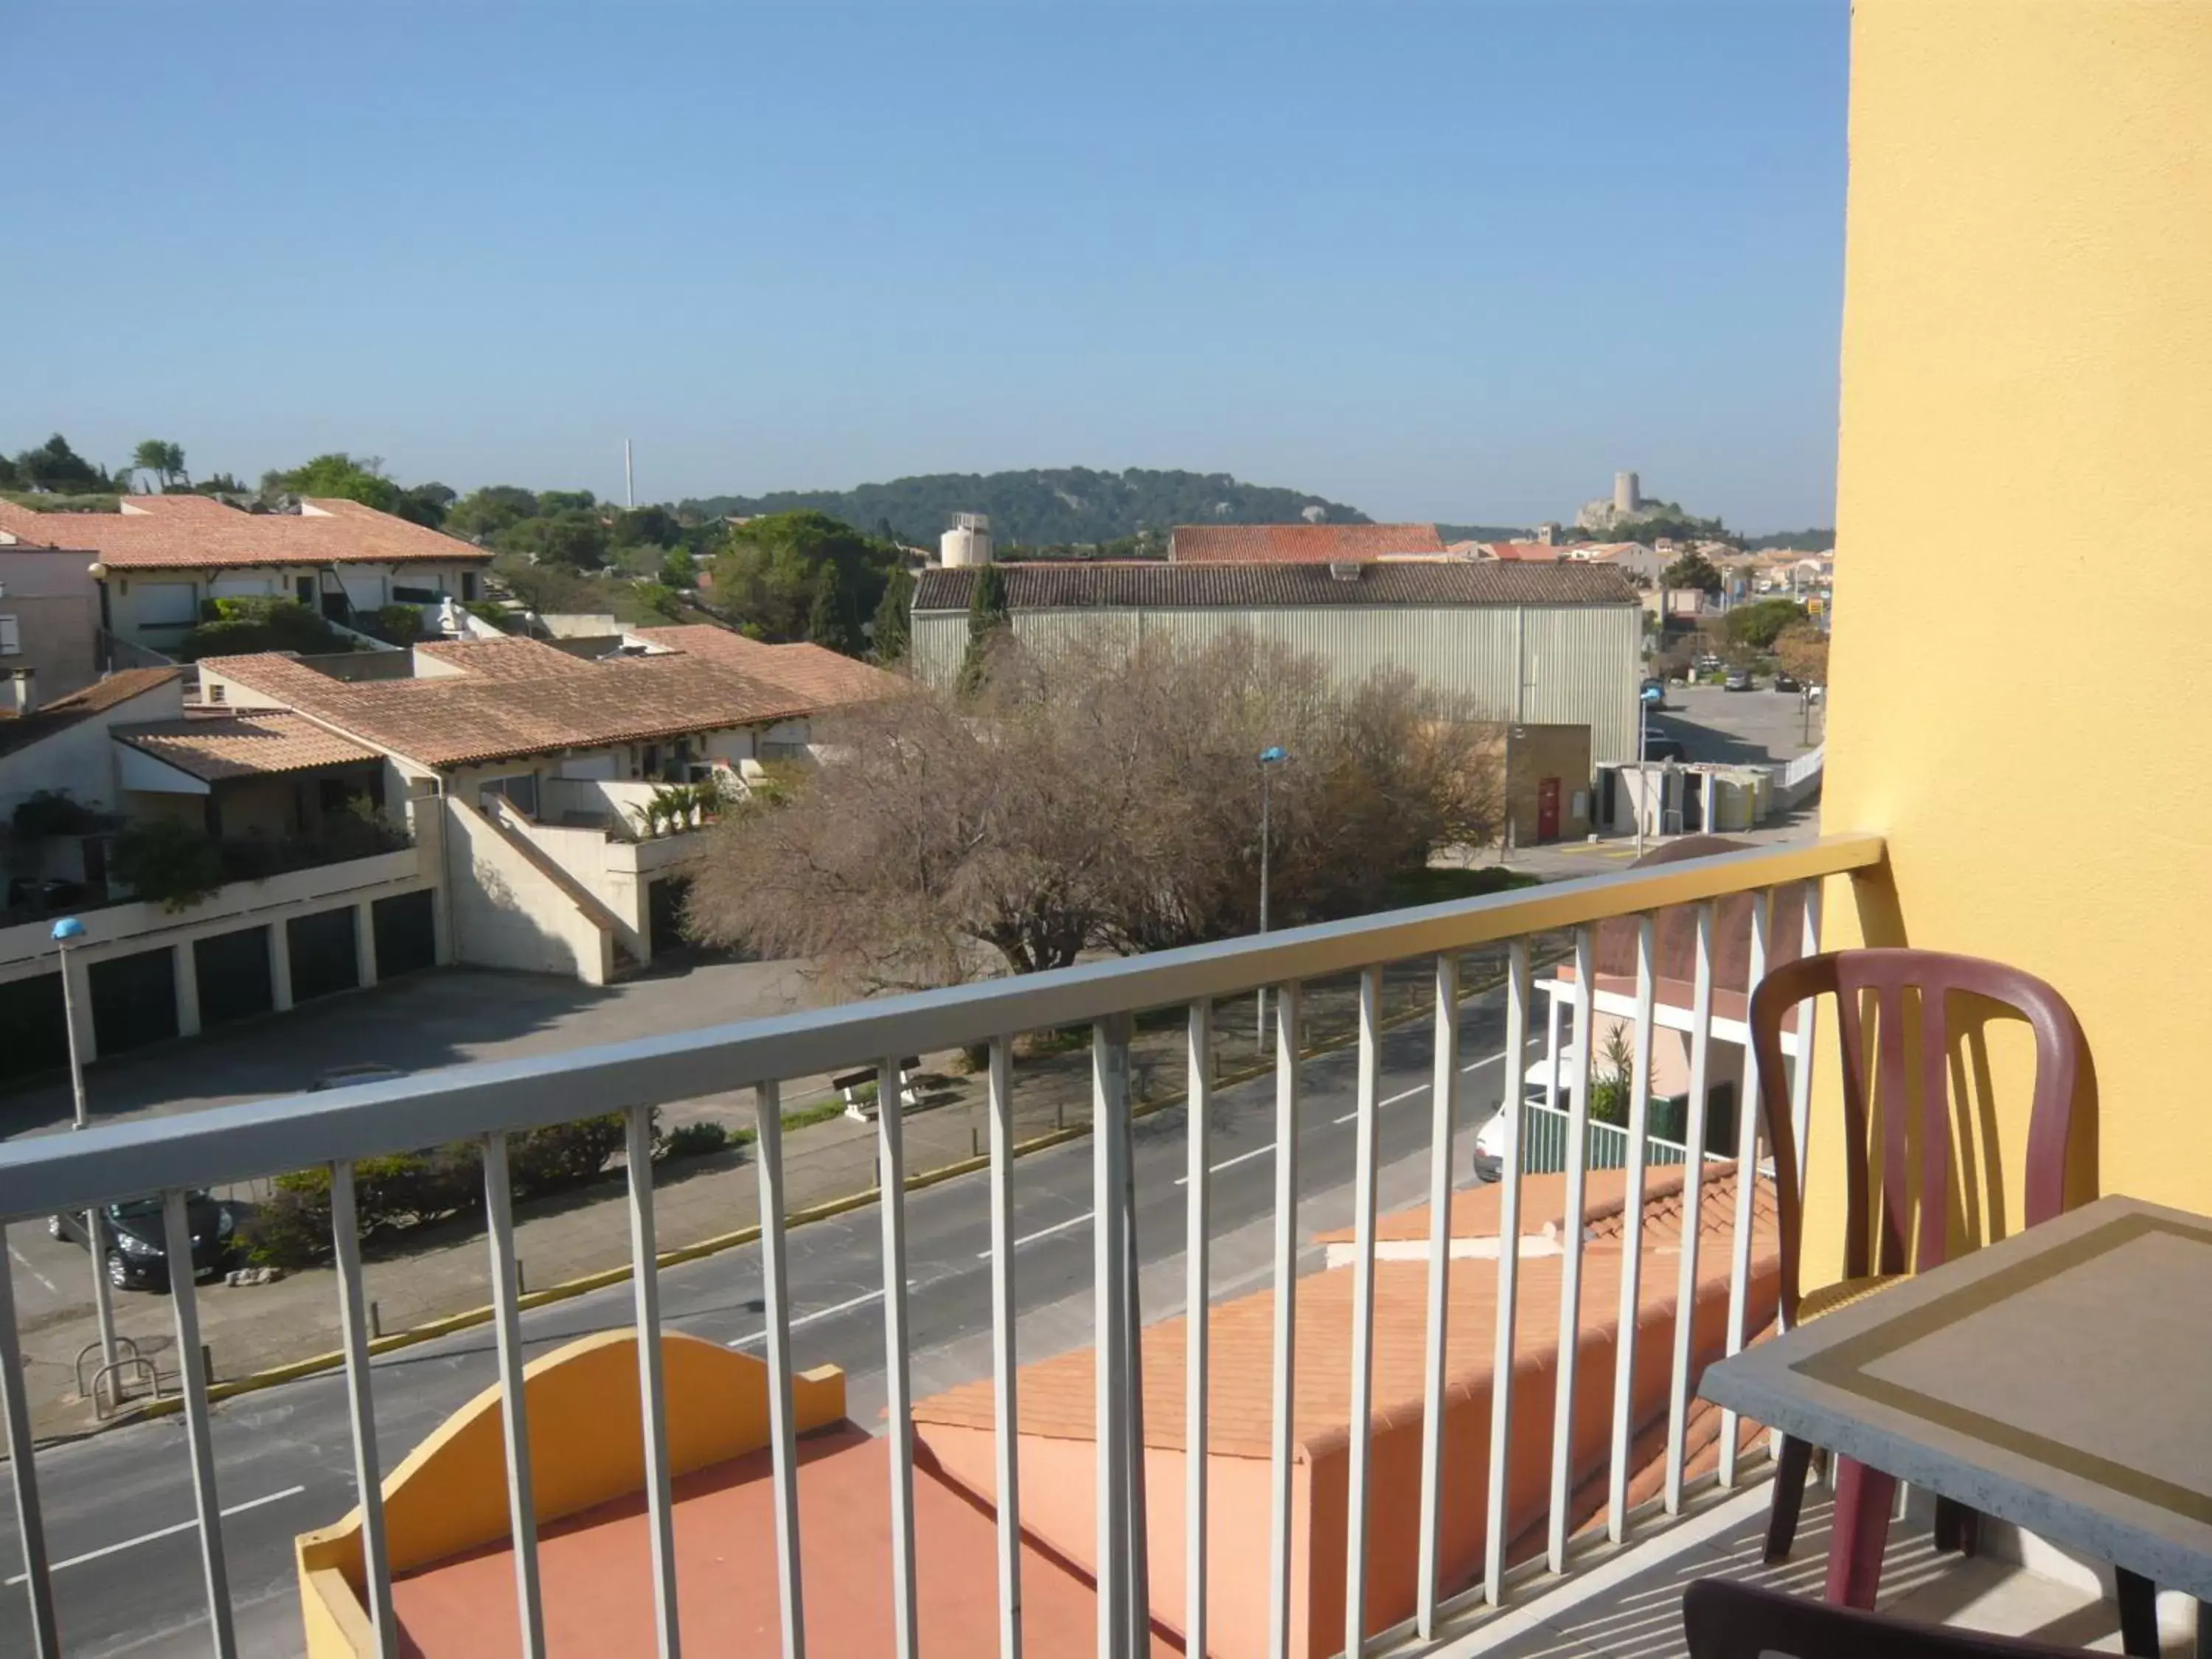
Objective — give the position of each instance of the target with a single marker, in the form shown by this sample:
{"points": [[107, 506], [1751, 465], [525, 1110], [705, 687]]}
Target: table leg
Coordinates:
{"points": [[2138, 1615], [1863, 1497]]}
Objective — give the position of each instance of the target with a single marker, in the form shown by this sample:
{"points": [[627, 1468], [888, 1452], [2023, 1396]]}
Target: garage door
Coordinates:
{"points": [[367, 593], [406, 934], [234, 974], [322, 959], [32, 1036], [134, 1000], [244, 587]]}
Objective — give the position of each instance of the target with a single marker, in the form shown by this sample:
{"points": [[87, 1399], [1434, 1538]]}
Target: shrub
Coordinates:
{"points": [[240, 627], [395, 624], [292, 1229], [695, 1139], [168, 863], [53, 812]]}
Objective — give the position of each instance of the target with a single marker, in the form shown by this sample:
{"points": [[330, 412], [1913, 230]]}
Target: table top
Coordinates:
{"points": [[2060, 1379]]}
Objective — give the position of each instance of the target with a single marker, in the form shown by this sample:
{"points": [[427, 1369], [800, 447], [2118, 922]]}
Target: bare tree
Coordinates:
{"points": [[1100, 799]]}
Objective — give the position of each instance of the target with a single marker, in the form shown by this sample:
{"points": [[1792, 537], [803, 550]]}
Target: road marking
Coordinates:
{"points": [[1044, 1232], [820, 1313], [53, 1289], [1420, 1088], [1230, 1163], [166, 1532]]}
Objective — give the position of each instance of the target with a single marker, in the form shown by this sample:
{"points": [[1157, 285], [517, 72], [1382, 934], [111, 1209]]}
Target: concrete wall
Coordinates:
{"points": [[1580, 665], [1538, 752], [2030, 225], [80, 757], [508, 912], [57, 613]]}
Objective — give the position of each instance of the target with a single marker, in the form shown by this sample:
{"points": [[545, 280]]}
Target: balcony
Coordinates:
{"points": [[1269, 1428]]}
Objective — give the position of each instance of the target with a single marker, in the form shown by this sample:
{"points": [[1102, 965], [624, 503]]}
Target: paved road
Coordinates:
{"points": [[118, 1506]]}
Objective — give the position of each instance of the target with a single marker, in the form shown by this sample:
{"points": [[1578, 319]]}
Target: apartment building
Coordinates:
{"points": [[159, 560]]}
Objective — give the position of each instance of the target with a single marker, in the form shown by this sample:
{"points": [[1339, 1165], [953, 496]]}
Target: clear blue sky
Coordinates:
{"points": [[1456, 262]]}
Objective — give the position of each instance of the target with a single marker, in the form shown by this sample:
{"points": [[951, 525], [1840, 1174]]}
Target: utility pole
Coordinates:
{"points": [[66, 932], [629, 479]]}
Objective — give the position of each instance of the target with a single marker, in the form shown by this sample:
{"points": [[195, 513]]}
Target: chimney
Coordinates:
{"points": [[20, 695]]}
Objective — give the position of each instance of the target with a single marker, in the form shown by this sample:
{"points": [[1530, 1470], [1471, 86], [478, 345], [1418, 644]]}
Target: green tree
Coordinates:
{"points": [[573, 537], [646, 526], [338, 475], [9, 476], [1693, 570], [566, 501], [54, 465], [426, 503], [1760, 623], [767, 573], [165, 460], [482, 515], [829, 619], [680, 568], [988, 618], [891, 632]]}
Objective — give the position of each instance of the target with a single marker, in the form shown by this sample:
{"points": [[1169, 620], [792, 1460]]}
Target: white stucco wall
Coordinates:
{"points": [[507, 912], [133, 595]]}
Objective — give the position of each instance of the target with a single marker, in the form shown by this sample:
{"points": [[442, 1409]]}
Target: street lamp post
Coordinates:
{"points": [[1270, 757], [66, 932]]}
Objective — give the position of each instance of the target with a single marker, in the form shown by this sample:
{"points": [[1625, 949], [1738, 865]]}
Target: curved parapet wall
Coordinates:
{"points": [[586, 1447]]}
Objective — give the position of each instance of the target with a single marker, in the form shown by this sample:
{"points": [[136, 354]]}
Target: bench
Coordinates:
{"points": [[849, 1084]]}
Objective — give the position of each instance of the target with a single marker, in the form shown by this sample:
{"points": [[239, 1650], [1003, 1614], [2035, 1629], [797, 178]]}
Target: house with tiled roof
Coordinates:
{"points": [[1300, 544], [1457, 626], [567, 776], [159, 559]]}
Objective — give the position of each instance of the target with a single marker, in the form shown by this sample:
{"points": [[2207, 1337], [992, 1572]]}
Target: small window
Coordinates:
{"points": [[416, 596], [11, 641], [304, 587], [218, 692], [468, 586]]}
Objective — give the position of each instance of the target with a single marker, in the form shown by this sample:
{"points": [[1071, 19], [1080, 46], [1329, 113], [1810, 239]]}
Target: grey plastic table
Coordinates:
{"points": [[2060, 1379]]}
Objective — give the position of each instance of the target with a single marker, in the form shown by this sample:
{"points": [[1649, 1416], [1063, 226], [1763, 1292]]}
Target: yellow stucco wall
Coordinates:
{"points": [[2022, 665]]}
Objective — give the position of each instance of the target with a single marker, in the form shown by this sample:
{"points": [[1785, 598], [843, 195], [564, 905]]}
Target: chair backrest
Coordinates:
{"points": [[1721, 1619], [1887, 975]]}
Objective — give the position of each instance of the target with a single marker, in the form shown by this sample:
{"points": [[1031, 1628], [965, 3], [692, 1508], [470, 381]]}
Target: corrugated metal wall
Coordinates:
{"points": [[1580, 664]]}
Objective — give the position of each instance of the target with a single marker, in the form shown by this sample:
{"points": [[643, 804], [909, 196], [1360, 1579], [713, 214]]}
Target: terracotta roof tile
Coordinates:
{"points": [[242, 745], [515, 697], [1298, 543], [1071, 585], [22, 730], [191, 532], [1474, 1210]]}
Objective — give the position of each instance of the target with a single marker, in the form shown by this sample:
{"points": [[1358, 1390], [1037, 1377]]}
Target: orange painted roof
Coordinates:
{"points": [[598, 1583], [193, 533], [1298, 543], [1543, 1207], [1056, 1399]]}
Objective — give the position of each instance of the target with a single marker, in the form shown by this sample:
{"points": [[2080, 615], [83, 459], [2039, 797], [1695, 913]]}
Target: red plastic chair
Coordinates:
{"points": [[1726, 1621], [1862, 1495]]}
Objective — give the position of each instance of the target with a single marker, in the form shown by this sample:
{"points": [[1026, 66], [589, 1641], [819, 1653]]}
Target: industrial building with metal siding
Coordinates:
{"points": [[1576, 629]]}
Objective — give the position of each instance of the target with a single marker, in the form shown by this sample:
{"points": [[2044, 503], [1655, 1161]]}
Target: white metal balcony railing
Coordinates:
{"points": [[175, 1154]]}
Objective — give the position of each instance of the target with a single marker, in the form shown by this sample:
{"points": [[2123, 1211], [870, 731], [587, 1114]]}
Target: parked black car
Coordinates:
{"points": [[1785, 683], [138, 1257]]}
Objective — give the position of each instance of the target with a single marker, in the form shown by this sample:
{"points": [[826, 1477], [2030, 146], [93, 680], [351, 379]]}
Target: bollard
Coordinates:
{"points": [[207, 1361], [1059, 1115], [375, 1320], [974, 1141], [520, 1287]]}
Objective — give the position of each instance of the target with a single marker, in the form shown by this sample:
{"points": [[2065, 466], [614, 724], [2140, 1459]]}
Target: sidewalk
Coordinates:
{"points": [[444, 1271]]}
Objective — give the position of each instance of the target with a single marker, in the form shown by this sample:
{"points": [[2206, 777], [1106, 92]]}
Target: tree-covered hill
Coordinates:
{"points": [[1044, 506]]}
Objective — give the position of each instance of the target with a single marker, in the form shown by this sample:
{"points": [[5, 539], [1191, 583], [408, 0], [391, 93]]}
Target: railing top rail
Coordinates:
{"points": [[226, 1143]]}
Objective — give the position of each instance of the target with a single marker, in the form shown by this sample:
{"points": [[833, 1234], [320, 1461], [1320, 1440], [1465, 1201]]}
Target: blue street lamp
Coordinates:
{"points": [[1270, 757], [67, 932]]}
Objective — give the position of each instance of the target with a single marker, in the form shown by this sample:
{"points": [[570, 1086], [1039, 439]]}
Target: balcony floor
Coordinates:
{"points": [[1630, 1607]]}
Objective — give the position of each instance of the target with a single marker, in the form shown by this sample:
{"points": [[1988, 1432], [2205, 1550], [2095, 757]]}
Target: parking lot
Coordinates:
{"points": [[1739, 727]]}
